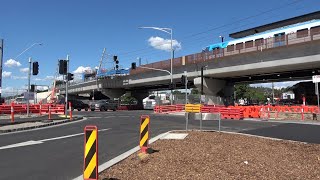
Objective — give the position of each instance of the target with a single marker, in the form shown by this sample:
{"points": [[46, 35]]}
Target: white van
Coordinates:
{"points": [[151, 101]]}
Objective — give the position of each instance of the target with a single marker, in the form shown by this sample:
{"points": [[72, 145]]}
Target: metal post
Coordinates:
{"points": [[187, 117], [66, 105], [201, 81], [200, 121], [1, 59], [219, 120], [272, 93], [28, 94], [171, 66], [186, 102], [186, 86], [317, 91]]}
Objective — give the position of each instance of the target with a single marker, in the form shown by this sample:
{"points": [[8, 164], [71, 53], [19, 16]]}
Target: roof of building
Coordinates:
{"points": [[274, 25]]}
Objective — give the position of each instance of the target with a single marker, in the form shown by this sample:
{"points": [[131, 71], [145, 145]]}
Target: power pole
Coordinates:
{"points": [[1, 59], [28, 95], [272, 93], [66, 105]]}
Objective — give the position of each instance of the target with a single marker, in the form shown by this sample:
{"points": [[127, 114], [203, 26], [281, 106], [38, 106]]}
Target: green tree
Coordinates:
{"points": [[194, 91]]}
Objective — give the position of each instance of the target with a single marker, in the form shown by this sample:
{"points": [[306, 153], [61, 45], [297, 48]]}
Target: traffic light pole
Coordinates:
{"points": [[186, 86], [66, 100], [28, 94]]}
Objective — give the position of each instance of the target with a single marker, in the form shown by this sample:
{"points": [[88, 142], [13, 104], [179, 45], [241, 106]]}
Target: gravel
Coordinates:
{"points": [[210, 155]]}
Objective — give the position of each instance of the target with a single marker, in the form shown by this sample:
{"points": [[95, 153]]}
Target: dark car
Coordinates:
{"points": [[77, 104]]}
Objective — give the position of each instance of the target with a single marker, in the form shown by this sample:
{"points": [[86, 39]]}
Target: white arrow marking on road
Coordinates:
{"points": [[31, 142]]}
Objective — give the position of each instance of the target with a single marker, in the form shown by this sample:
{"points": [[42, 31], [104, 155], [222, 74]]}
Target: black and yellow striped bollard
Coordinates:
{"points": [[90, 170], [144, 133]]}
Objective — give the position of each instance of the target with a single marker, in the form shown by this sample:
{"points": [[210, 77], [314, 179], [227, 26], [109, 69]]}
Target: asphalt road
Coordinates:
{"points": [[57, 152]]}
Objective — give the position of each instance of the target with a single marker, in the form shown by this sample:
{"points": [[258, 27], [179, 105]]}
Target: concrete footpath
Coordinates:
{"points": [[22, 122]]}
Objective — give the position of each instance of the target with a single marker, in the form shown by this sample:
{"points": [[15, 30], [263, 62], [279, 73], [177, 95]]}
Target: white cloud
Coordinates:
{"points": [[41, 88], [12, 63], [49, 78], [164, 44], [82, 69], [60, 77], [38, 79], [24, 70], [6, 74], [19, 77]]}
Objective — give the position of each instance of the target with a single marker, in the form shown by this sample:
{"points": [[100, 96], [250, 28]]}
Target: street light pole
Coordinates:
{"points": [[28, 94], [171, 67], [66, 100], [1, 59], [28, 49], [168, 31]]}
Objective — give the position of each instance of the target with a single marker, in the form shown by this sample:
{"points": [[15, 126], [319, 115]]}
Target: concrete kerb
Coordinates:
{"points": [[51, 123], [123, 156]]}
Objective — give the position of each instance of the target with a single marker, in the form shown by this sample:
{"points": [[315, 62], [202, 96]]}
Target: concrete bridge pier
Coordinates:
{"points": [[140, 95], [113, 93], [216, 87]]}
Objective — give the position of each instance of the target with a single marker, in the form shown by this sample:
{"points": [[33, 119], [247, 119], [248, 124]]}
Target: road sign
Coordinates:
{"points": [[195, 108], [144, 133], [90, 153], [29, 96], [316, 78]]}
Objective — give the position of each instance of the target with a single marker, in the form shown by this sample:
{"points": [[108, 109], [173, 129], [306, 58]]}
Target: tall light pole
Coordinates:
{"points": [[1, 59], [221, 38], [168, 31], [28, 49], [29, 73], [28, 95]]}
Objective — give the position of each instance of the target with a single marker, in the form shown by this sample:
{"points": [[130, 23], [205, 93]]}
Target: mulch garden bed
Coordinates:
{"points": [[213, 155]]}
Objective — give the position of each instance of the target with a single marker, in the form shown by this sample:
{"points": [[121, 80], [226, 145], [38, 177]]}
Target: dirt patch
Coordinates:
{"points": [[210, 155]]}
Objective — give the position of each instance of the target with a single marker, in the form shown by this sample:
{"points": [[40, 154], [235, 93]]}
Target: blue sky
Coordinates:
{"points": [[83, 28]]}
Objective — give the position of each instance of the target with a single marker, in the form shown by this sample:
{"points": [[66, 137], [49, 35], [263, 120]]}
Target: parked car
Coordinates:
{"points": [[77, 104], [104, 105]]}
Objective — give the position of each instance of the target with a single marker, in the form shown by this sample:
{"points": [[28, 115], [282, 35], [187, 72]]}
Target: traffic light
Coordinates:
{"points": [[172, 86], [133, 65], [63, 66], [35, 68], [32, 88], [115, 59], [183, 79], [70, 77]]}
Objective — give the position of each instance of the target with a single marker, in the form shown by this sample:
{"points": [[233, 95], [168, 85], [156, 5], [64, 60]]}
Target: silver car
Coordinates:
{"points": [[104, 105]]}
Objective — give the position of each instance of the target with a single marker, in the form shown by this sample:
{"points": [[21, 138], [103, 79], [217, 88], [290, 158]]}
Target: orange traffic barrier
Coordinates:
{"points": [[49, 115], [12, 113], [70, 111]]}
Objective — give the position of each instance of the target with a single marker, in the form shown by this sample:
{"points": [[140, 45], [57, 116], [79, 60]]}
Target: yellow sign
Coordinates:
{"points": [[195, 108], [90, 153], [144, 133]]}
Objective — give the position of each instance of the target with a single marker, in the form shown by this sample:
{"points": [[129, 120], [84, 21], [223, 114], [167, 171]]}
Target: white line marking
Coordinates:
{"points": [[31, 142], [27, 143], [47, 127]]}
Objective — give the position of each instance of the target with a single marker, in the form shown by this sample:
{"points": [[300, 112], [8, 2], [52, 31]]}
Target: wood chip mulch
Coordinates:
{"points": [[210, 155]]}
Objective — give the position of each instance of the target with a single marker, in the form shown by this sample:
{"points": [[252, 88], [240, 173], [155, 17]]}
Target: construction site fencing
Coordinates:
{"points": [[260, 112], [195, 99], [33, 108]]}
